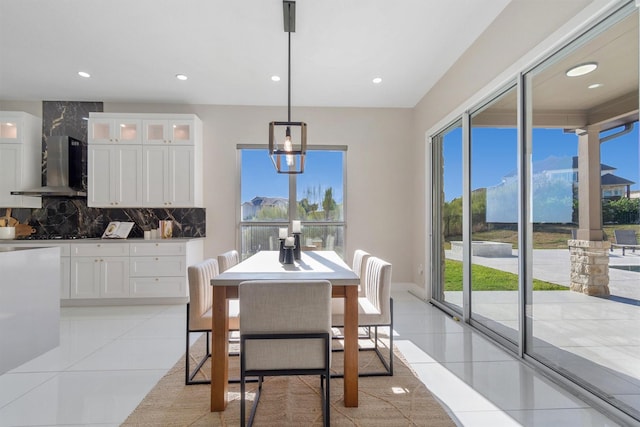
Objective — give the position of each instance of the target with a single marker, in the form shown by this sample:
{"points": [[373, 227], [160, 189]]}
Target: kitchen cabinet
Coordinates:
{"points": [[114, 129], [160, 269], [114, 176], [100, 270], [20, 158], [174, 131], [170, 164], [122, 271], [169, 179]]}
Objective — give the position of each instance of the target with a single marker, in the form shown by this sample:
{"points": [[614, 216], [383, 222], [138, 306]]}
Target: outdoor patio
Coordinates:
{"points": [[592, 338]]}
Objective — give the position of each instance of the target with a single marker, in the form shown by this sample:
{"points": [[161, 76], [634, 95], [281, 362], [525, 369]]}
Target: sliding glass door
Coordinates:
{"points": [[447, 233], [494, 215], [534, 191]]}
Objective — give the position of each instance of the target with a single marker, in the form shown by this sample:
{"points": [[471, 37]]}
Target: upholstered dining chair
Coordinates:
{"points": [[199, 312], [228, 260], [375, 309], [360, 258], [285, 329]]}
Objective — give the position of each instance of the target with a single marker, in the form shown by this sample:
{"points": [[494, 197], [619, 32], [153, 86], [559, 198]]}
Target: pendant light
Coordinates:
{"points": [[289, 156]]}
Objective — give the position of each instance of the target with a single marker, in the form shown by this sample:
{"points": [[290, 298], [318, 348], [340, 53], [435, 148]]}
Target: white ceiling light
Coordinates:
{"points": [[84, 74], [595, 85], [181, 77], [377, 80], [582, 69], [275, 78]]}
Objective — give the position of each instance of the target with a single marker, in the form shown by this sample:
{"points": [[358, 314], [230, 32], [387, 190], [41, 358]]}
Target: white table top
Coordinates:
{"points": [[313, 265]]}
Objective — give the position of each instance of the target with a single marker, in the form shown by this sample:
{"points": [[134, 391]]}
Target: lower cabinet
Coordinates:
{"points": [[100, 270], [100, 277], [94, 269], [159, 269]]}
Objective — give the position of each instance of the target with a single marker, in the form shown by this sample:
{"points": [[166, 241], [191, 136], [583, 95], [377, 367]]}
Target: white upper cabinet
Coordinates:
{"points": [[172, 131], [166, 169], [20, 158], [114, 176], [107, 129], [174, 168]]}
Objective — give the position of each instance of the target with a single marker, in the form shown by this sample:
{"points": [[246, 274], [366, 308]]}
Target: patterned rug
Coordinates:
{"points": [[400, 400]]}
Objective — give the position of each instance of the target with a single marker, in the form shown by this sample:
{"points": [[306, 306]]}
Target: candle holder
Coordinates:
{"points": [[296, 248], [288, 255], [281, 254]]}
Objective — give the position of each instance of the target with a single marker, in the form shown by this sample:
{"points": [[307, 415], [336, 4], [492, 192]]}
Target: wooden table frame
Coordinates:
{"points": [[344, 284]]}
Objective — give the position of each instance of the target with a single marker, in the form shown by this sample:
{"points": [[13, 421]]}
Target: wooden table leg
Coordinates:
{"points": [[220, 349], [351, 346]]}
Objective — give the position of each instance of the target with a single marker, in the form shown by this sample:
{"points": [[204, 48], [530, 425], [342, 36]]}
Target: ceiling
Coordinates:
{"points": [[568, 102], [230, 49]]}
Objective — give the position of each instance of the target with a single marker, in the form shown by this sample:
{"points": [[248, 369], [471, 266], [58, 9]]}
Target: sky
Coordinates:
{"points": [[494, 155], [322, 169]]}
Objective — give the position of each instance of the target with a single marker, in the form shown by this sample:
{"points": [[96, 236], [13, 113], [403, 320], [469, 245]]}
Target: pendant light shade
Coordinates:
{"points": [[288, 155]]}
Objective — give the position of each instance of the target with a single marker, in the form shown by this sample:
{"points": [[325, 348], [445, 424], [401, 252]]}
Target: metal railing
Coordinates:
{"points": [[261, 236]]}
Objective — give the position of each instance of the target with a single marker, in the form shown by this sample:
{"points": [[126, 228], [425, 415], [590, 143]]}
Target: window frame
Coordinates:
{"points": [[292, 196]]}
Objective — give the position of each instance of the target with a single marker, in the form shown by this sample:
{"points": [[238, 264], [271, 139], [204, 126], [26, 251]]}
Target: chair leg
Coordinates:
{"points": [[327, 399], [256, 400]]}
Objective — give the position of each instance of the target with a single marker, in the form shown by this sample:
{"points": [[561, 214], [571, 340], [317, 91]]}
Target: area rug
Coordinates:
{"points": [[400, 400]]}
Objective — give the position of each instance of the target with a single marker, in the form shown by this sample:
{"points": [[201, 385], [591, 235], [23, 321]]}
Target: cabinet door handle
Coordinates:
{"points": [[157, 259]]}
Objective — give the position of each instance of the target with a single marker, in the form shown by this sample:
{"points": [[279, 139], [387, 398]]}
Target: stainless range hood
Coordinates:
{"points": [[64, 169]]}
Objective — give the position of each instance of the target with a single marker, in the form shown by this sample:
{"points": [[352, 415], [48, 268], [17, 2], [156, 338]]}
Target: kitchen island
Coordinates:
{"points": [[29, 304]]}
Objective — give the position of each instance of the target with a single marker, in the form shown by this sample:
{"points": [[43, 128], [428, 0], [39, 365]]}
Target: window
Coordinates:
{"points": [[270, 201]]}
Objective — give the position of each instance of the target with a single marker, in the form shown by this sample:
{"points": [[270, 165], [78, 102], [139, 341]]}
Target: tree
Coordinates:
{"points": [[328, 204]]}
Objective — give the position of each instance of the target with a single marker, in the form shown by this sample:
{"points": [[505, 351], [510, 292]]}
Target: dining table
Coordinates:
{"points": [[265, 265]]}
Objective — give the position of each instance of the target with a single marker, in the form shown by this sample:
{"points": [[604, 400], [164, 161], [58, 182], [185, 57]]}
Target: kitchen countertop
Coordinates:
{"points": [[98, 239]]}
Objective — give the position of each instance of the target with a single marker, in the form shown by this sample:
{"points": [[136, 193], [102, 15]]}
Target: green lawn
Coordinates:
{"points": [[489, 279]]}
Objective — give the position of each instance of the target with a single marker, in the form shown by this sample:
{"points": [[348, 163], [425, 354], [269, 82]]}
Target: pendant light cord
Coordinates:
{"points": [[289, 80]]}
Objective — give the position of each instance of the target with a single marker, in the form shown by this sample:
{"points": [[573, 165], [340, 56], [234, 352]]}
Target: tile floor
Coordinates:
{"points": [[110, 357]]}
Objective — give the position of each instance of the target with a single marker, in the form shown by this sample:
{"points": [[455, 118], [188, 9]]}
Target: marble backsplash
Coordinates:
{"points": [[71, 216]]}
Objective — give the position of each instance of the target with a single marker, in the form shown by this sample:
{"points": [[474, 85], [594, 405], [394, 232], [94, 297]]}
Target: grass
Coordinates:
{"points": [[545, 236], [489, 279]]}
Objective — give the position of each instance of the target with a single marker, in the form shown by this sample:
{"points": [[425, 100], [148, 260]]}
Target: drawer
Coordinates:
{"points": [[158, 287], [99, 249], [158, 266], [157, 248]]}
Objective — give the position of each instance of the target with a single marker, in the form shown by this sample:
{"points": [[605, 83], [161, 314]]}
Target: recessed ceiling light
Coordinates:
{"points": [[377, 80], [582, 69], [181, 77], [595, 85], [275, 78], [84, 74]]}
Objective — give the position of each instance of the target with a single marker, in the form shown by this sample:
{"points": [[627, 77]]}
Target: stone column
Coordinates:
{"points": [[589, 251], [590, 267]]}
